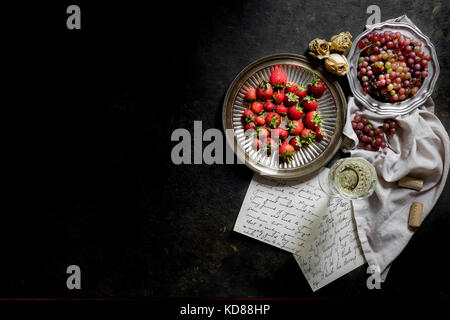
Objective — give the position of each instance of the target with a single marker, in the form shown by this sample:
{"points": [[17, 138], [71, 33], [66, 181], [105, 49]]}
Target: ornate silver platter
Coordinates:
{"points": [[332, 107], [398, 108]]}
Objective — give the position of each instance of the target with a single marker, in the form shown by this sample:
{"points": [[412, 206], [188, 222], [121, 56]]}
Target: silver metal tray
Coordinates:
{"points": [[332, 106], [406, 106]]}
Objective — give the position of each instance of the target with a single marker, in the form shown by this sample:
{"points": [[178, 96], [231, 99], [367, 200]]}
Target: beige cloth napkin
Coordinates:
{"points": [[421, 149]]}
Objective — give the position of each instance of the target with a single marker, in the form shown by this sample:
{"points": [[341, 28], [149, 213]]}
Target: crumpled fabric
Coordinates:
{"points": [[421, 149]]}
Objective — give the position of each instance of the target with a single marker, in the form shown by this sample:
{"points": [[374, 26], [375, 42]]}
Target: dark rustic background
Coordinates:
{"points": [[89, 176]]}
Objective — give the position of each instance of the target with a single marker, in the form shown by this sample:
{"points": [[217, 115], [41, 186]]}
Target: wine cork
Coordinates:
{"points": [[415, 214], [411, 183]]}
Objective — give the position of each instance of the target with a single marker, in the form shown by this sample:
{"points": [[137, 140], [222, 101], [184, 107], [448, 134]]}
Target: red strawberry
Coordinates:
{"points": [[290, 87], [260, 120], [290, 99], [320, 133], [301, 92], [256, 144], [269, 106], [250, 94], [278, 96], [257, 107], [295, 112], [281, 109], [249, 126], [310, 103], [286, 152], [269, 144], [248, 116], [295, 127], [264, 91], [262, 132], [296, 142], [278, 78], [316, 87], [273, 120], [307, 136], [280, 133], [313, 120]]}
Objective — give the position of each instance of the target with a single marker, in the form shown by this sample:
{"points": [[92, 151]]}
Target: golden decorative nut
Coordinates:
{"points": [[341, 42], [337, 64], [319, 48]]}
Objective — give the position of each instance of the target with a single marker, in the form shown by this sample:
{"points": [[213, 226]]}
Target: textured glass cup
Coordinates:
{"points": [[352, 178]]}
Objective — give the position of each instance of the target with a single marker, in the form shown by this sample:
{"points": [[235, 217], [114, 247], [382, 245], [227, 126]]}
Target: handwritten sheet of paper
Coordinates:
{"points": [[301, 218], [283, 214], [335, 250]]}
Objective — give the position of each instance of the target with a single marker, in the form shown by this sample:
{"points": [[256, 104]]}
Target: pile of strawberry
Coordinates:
{"points": [[271, 102]]}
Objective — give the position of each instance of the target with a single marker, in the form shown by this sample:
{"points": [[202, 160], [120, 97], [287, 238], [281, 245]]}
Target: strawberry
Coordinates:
{"points": [[260, 120], [250, 94], [286, 152], [310, 103], [269, 106], [273, 120], [301, 92], [320, 133], [248, 116], [262, 132], [278, 78], [257, 107], [296, 142], [295, 112], [313, 120], [281, 109], [278, 96], [307, 136], [316, 87], [249, 126], [280, 133], [264, 91], [256, 144], [290, 99], [295, 127], [290, 87], [269, 144]]}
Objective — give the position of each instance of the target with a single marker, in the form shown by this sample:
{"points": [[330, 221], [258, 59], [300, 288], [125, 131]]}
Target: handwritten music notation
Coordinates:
{"points": [[300, 218]]}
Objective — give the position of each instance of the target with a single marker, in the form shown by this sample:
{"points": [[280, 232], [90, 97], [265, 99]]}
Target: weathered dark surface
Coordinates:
{"points": [[104, 193]]}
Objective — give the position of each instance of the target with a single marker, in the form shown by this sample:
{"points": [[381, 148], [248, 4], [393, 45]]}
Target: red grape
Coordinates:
{"points": [[379, 141], [391, 66]]}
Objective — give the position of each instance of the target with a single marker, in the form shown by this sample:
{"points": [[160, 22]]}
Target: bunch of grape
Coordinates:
{"points": [[391, 66], [371, 138]]}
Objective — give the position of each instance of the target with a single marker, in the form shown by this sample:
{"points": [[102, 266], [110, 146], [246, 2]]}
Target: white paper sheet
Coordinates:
{"points": [[335, 250], [283, 214], [300, 218]]}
